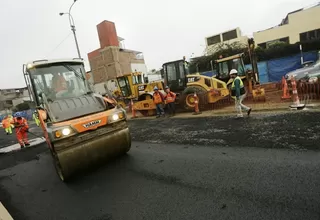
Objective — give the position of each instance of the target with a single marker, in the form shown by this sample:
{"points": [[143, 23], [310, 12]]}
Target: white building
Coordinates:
{"points": [[227, 37], [301, 25]]}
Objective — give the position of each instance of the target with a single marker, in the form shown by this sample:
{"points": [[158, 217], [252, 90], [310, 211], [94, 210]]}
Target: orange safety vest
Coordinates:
{"points": [[157, 98], [23, 122], [6, 123], [171, 96]]}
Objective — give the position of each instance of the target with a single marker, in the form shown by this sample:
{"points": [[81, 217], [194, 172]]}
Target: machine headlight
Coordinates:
{"points": [[62, 132], [29, 66], [66, 131], [117, 117]]}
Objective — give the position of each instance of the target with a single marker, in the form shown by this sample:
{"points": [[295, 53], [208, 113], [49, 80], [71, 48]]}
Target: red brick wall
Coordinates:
{"points": [[107, 34]]}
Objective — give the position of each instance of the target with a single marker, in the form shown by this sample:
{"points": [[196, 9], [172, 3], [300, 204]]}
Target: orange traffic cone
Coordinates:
{"points": [[132, 110], [285, 94], [196, 105], [295, 97]]}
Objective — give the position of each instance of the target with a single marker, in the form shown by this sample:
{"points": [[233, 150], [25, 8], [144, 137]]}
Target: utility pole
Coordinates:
{"points": [[73, 27]]}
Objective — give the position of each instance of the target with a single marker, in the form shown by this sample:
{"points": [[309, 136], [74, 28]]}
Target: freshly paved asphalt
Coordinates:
{"points": [[168, 179]]}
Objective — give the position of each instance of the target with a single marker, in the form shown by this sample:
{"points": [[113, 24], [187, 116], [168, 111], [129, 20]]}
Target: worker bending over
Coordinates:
{"points": [[6, 124], [22, 128], [158, 99], [170, 100], [238, 92]]}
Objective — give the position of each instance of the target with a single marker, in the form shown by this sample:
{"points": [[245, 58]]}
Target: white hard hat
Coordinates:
{"points": [[233, 71]]}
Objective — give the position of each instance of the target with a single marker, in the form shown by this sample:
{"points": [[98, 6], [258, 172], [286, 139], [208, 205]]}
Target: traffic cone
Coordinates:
{"points": [[285, 94], [196, 105], [295, 97], [132, 110]]}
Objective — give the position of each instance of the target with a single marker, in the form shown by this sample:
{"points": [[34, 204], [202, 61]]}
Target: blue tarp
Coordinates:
{"points": [[208, 73], [277, 68], [262, 70]]}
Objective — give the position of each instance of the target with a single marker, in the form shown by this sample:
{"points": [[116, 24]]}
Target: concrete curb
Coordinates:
{"points": [[16, 147], [212, 113], [4, 214]]}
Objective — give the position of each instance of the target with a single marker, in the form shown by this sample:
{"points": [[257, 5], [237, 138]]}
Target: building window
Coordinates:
{"points": [[229, 35], [310, 35], [213, 40]]}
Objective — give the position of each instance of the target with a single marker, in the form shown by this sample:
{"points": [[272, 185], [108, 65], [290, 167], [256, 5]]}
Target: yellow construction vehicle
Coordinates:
{"points": [[208, 89], [82, 129], [250, 78], [132, 87], [224, 65], [212, 89]]}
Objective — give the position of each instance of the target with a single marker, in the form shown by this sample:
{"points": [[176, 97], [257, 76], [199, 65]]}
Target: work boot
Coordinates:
{"points": [[26, 144]]}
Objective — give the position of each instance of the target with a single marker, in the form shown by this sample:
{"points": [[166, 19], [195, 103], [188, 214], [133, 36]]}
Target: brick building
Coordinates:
{"points": [[111, 59]]}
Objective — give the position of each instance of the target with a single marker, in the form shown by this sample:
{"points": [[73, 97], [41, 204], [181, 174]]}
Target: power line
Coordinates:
{"points": [[60, 44]]}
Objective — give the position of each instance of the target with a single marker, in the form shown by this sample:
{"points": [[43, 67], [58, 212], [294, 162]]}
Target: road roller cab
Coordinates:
{"points": [[82, 129]]}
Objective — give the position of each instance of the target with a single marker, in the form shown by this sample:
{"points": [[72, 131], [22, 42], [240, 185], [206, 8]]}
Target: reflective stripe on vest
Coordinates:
{"points": [[20, 122], [157, 98], [241, 83], [233, 87], [170, 97]]}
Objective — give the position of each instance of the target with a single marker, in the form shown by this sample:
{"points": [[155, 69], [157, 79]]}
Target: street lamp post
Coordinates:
{"points": [[73, 27]]}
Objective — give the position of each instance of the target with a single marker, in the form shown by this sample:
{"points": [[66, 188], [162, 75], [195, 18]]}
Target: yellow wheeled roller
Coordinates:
{"points": [[82, 129]]}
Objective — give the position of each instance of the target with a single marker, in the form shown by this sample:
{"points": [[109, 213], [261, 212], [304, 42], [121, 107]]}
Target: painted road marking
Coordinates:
{"points": [[16, 147], [4, 214]]}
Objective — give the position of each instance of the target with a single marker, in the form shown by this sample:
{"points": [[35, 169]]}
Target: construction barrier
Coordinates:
{"points": [[308, 91]]}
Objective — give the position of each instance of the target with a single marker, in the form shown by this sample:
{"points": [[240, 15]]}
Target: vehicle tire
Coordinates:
{"points": [[129, 139], [188, 100], [58, 168]]}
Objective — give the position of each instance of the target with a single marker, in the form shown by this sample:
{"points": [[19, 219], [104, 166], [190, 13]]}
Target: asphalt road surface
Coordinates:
{"points": [[170, 179], [7, 140]]}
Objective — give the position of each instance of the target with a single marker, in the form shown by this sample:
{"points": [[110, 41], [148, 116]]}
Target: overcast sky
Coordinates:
{"points": [[163, 31]]}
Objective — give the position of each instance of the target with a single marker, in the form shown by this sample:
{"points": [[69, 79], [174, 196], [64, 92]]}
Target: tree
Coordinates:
{"points": [[203, 63]]}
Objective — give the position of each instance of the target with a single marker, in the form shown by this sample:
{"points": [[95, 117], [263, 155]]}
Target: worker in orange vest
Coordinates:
{"points": [[170, 100], [22, 128], [7, 125], [158, 99]]}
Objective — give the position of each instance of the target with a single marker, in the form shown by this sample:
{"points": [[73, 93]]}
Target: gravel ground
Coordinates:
{"points": [[295, 130]]}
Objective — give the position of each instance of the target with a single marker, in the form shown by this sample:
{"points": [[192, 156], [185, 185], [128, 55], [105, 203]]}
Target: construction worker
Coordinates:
{"points": [[238, 92], [22, 128], [158, 99], [59, 83], [35, 117], [10, 117], [170, 99], [6, 124]]}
